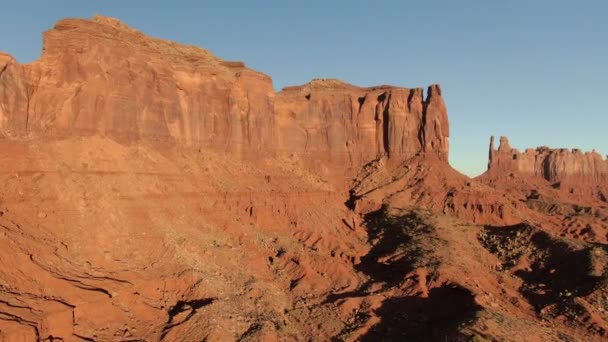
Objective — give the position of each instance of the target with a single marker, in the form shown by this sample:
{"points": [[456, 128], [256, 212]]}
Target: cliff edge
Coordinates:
{"points": [[101, 77], [551, 164]]}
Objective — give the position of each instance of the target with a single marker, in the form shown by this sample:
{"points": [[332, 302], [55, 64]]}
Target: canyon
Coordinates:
{"points": [[153, 191]]}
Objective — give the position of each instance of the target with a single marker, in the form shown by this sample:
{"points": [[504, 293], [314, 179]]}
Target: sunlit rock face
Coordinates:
{"points": [[549, 163], [100, 76]]}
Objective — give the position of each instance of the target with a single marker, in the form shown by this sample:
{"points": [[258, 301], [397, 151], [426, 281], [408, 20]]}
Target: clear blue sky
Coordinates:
{"points": [[536, 71]]}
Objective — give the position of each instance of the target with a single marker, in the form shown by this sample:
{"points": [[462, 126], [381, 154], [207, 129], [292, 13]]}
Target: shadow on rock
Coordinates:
{"points": [[436, 318], [400, 244], [395, 250], [394, 239], [558, 271]]}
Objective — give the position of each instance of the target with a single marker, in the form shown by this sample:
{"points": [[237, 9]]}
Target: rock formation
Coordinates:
{"points": [[335, 122], [554, 165], [567, 187], [101, 77], [152, 191], [150, 139]]}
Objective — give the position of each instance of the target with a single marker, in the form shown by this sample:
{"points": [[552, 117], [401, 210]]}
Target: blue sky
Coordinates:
{"points": [[535, 71]]}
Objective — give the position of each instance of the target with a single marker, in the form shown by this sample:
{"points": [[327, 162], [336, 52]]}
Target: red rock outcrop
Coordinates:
{"points": [[553, 165], [102, 77], [574, 175], [331, 119], [129, 204], [151, 191], [566, 189]]}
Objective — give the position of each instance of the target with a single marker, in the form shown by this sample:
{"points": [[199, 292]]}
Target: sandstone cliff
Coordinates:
{"points": [[100, 76], [353, 125], [218, 230], [553, 165]]}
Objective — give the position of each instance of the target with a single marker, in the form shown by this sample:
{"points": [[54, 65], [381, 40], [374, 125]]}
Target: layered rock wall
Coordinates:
{"points": [[101, 77], [335, 120], [554, 165]]}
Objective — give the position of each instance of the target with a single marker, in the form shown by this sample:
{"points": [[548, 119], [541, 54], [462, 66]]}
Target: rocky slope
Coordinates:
{"points": [[567, 185], [152, 191]]}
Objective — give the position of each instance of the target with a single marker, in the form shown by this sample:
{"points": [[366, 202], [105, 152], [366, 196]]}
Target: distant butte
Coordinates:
{"points": [[551, 164]]}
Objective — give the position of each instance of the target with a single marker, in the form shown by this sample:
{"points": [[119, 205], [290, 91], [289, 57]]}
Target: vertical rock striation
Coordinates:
{"points": [[553, 165], [101, 77], [330, 119]]}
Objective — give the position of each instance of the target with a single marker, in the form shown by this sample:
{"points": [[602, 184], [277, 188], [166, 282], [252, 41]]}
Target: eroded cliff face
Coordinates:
{"points": [[146, 183], [151, 191], [553, 165], [100, 76], [332, 119], [561, 183]]}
